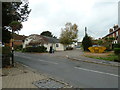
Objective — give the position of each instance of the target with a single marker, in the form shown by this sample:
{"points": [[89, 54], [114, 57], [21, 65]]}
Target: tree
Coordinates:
{"points": [[15, 25], [13, 11], [86, 42], [108, 42], [69, 34], [47, 33], [100, 42]]}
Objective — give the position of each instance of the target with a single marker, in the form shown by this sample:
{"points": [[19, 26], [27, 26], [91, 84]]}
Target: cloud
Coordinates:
{"points": [[97, 15]]}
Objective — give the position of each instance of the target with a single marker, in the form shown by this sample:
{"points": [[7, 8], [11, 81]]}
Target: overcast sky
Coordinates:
{"points": [[52, 15]]}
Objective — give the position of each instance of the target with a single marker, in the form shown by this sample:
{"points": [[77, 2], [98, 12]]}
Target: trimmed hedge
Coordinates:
{"points": [[6, 50], [116, 45], [117, 51], [35, 49], [6, 55]]}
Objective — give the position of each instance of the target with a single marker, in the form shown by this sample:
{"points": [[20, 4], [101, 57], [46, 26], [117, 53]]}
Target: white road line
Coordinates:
{"points": [[48, 61], [97, 71], [39, 59], [25, 57]]}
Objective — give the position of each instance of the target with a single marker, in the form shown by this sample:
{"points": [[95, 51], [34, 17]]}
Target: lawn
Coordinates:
{"points": [[110, 56]]}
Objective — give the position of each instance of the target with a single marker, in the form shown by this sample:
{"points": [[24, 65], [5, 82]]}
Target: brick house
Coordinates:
{"points": [[18, 40], [115, 33]]}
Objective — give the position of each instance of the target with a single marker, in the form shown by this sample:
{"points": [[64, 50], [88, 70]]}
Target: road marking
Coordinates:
{"points": [[38, 59], [23, 56], [97, 71], [48, 61]]}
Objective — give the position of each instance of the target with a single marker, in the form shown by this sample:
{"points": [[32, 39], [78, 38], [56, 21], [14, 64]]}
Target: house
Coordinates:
{"points": [[115, 33], [39, 40], [18, 40]]}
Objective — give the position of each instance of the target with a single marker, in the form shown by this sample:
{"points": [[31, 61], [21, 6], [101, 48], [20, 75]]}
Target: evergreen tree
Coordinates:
{"points": [[86, 43], [47, 33]]}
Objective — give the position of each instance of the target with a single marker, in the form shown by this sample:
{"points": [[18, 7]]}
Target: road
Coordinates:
{"points": [[79, 74]]}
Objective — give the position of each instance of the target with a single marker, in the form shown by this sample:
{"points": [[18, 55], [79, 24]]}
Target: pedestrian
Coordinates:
{"points": [[50, 51]]}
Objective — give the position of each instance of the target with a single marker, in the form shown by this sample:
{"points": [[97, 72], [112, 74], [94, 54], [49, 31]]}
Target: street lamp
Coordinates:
{"points": [[13, 14], [12, 38], [15, 26], [12, 48]]}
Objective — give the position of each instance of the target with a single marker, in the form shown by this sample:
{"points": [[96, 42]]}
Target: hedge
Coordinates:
{"points": [[35, 49], [69, 48], [116, 45], [117, 51], [6, 55]]}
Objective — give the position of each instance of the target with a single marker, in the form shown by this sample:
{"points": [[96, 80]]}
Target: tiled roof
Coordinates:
{"points": [[19, 37], [113, 32], [39, 39], [50, 39]]}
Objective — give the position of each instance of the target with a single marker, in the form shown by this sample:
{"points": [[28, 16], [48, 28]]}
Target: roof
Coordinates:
{"points": [[50, 39], [113, 32], [19, 37], [40, 39]]}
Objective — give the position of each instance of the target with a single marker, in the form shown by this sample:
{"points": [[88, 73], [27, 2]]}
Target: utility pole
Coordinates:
{"points": [[85, 30], [12, 49], [13, 14]]}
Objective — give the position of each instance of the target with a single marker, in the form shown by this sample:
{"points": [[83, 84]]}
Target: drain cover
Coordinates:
{"points": [[48, 84]]}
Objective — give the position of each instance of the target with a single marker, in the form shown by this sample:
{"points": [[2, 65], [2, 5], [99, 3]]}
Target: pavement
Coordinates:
{"points": [[22, 76], [77, 55]]}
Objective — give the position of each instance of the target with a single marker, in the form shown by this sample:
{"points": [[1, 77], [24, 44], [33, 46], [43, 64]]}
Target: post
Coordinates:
{"points": [[12, 49], [85, 30]]}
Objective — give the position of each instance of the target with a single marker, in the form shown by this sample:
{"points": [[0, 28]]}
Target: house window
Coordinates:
{"points": [[57, 45], [26, 39], [116, 33]]}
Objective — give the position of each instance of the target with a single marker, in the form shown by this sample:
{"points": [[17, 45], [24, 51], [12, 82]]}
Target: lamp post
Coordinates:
{"points": [[13, 14], [12, 49]]}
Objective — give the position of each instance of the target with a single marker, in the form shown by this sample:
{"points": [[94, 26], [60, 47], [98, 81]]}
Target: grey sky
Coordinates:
{"points": [[52, 15]]}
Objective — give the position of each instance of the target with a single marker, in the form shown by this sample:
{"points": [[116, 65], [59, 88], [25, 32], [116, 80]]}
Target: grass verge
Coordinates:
{"points": [[110, 57]]}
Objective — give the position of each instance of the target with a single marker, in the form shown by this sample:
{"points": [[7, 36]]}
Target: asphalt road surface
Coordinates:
{"points": [[76, 73]]}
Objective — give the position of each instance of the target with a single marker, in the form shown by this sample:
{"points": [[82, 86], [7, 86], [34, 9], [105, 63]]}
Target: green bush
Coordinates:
{"points": [[117, 51], [6, 55], [69, 48], [86, 42], [116, 45], [35, 49], [18, 48], [6, 50]]}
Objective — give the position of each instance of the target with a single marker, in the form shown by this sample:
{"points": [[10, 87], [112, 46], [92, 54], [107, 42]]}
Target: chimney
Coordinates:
{"points": [[116, 27], [110, 30]]}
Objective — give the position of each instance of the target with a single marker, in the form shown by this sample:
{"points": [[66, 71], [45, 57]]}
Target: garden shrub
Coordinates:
{"points": [[116, 45], [6, 55], [117, 52], [35, 49], [18, 48], [69, 48]]}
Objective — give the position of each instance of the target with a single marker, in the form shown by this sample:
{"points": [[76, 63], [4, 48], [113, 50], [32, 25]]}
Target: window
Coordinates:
{"points": [[26, 39], [57, 45]]}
